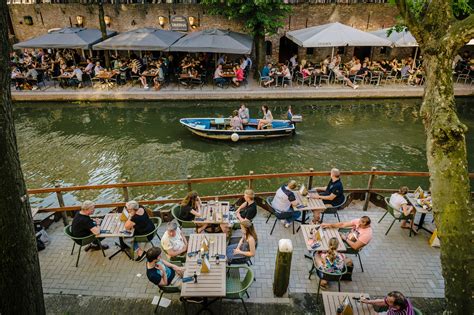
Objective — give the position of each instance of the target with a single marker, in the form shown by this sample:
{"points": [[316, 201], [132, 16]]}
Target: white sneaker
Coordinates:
{"points": [[287, 225], [34, 88], [283, 221], [355, 87], [146, 87]]}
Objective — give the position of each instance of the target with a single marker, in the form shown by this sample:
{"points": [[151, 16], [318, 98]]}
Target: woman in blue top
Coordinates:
{"points": [[161, 272]]}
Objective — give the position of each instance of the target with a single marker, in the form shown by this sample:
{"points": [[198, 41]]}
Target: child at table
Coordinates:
{"points": [[331, 261]]}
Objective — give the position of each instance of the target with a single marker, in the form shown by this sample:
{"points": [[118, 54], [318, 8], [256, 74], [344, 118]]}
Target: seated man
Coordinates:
{"points": [[161, 272], [333, 194], [359, 236], [76, 77], [398, 201], [173, 242], [90, 67], [285, 201], [218, 78], [266, 75], [82, 225]]}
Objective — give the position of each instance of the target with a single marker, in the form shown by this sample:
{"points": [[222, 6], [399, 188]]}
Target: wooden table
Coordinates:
{"points": [[332, 300], [221, 209], [217, 247], [327, 235], [312, 204], [412, 200], [115, 227]]}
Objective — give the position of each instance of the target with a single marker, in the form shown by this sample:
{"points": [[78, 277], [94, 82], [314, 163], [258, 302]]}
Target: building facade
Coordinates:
{"points": [[30, 20]]}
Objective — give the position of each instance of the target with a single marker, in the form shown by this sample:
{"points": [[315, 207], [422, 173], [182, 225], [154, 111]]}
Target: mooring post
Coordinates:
{"points": [[59, 195], [310, 179], [250, 185], [125, 190], [281, 277], [189, 183], [369, 187]]}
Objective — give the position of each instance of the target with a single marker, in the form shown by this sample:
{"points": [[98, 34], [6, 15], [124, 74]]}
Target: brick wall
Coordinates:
{"points": [[365, 17]]}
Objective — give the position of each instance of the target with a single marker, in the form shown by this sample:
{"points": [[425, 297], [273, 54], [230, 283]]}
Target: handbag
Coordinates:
{"points": [[346, 307]]}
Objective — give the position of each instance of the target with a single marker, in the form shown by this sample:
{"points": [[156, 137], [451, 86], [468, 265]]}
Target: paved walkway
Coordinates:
{"points": [[392, 262], [208, 92]]}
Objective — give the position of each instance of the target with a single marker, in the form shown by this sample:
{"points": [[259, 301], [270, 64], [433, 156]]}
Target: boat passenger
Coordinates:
{"points": [[267, 118], [139, 221], [236, 122], [190, 208], [244, 114]]}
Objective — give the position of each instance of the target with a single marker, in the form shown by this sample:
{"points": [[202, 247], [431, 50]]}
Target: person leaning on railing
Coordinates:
{"points": [[82, 225]]}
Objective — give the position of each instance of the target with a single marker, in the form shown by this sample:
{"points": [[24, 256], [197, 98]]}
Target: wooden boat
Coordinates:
{"points": [[219, 128]]}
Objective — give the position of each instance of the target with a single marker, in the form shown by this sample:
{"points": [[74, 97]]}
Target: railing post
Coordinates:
{"points": [[250, 185], [189, 184], [59, 195], [310, 179], [125, 190], [369, 187]]}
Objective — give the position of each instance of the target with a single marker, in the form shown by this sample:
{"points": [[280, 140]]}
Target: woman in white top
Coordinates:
{"points": [[398, 201], [267, 118], [236, 122]]}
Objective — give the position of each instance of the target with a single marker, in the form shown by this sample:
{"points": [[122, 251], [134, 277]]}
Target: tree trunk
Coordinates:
{"points": [[20, 278], [259, 39], [103, 30], [450, 187]]}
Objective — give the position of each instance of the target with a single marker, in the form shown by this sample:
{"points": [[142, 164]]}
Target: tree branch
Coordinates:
{"points": [[460, 33], [409, 20]]}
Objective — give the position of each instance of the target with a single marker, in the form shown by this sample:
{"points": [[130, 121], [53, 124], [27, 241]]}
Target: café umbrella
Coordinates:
{"points": [[334, 35], [399, 39], [214, 41], [146, 38], [69, 37]]}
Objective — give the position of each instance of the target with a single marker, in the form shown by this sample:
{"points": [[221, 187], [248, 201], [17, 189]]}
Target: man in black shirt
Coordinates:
{"points": [[333, 193], [82, 225]]}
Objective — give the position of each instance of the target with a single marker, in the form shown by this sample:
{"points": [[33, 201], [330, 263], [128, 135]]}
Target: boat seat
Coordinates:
{"points": [[219, 121]]}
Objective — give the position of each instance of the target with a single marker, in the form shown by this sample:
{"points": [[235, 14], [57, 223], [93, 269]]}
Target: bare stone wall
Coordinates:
{"points": [[366, 17]]}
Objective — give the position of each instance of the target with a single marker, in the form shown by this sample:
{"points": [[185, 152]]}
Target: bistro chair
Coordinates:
{"points": [[184, 224], [169, 289], [278, 215], [328, 276], [417, 311], [237, 287], [146, 237], [303, 80], [397, 216], [351, 251], [81, 241], [334, 210]]}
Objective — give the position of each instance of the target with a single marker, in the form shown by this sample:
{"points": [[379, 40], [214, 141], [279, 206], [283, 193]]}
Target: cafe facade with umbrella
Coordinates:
{"points": [[335, 35]]}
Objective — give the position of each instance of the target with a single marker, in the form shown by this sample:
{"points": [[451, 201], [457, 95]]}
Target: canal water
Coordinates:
{"points": [[98, 143]]}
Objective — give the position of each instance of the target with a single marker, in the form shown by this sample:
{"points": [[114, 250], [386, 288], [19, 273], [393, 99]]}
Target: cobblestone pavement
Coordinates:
{"points": [[392, 262]]}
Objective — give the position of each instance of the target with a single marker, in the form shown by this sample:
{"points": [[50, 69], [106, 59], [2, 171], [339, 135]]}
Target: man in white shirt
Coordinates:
{"points": [[173, 242], [398, 201], [285, 201]]}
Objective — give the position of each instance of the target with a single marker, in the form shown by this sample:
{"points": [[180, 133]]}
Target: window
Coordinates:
{"points": [[268, 48], [310, 51]]}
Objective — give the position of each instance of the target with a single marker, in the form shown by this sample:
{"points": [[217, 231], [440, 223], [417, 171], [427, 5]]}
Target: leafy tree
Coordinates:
{"points": [[441, 28], [260, 17], [20, 278]]}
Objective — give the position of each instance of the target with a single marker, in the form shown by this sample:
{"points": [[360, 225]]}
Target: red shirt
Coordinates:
{"points": [[239, 74]]}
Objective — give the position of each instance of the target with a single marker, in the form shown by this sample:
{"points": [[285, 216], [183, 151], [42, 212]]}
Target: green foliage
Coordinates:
{"points": [[259, 17], [461, 8]]}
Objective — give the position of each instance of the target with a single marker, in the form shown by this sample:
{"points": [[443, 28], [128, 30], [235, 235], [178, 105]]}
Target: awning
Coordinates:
{"points": [[335, 35], [69, 37], [147, 38], [398, 39], [214, 41]]}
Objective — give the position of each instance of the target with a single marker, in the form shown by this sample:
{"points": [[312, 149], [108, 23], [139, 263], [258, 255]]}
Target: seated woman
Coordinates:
{"points": [[248, 209], [239, 75], [239, 253], [331, 261], [139, 221], [236, 122], [395, 303], [161, 272], [398, 201], [190, 207], [267, 118], [340, 75], [244, 114]]}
